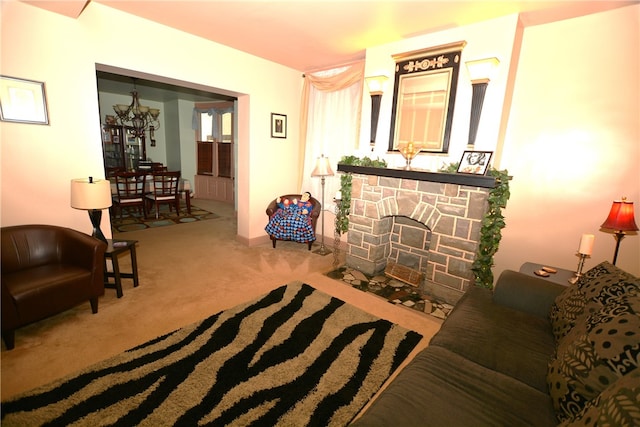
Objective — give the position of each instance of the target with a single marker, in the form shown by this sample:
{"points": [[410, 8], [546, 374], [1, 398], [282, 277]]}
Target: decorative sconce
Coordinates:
{"points": [[480, 72], [620, 219], [376, 89], [93, 196]]}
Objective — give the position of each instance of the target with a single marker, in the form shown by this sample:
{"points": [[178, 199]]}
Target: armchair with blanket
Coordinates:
{"points": [[293, 217]]}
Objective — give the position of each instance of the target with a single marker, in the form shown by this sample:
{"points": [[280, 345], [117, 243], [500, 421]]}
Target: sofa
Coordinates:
{"points": [[46, 270], [528, 353]]}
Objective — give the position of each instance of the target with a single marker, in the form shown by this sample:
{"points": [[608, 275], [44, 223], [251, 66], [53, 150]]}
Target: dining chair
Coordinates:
{"points": [[164, 189], [130, 191]]}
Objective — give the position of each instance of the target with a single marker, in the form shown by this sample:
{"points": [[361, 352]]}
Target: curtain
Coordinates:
{"points": [[329, 124], [214, 113]]}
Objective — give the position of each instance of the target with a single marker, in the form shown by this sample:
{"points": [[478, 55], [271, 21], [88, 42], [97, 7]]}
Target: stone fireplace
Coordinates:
{"points": [[428, 222]]}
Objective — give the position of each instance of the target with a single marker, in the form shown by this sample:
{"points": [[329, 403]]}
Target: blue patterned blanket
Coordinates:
{"points": [[290, 223]]}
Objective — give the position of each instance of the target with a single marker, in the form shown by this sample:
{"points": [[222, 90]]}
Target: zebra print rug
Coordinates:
{"points": [[294, 357]]}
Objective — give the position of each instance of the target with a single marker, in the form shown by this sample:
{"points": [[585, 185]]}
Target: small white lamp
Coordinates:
{"points": [[93, 196]]}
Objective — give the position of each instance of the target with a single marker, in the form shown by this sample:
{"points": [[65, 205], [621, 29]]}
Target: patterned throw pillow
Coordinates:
{"points": [[591, 292], [618, 405], [595, 354]]}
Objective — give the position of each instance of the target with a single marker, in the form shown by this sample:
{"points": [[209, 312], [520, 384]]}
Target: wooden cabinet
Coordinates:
{"points": [[215, 171], [214, 188], [121, 148]]}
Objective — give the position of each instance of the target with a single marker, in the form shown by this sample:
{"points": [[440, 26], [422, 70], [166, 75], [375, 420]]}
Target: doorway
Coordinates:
{"points": [[174, 144]]}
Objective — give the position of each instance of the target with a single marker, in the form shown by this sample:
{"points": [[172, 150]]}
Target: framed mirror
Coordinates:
{"points": [[424, 97]]}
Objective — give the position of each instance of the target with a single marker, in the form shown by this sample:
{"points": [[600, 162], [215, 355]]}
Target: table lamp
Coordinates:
{"points": [[322, 169], [620, 219], [93, 196]]}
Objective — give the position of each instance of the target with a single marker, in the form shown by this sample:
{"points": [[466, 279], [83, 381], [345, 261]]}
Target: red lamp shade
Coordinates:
{"points": [[621, 217]]}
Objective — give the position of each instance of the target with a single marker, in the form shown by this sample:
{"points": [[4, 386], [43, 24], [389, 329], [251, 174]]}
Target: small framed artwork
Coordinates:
{"points": [[475, 162], [22, 101], [278, 125]]}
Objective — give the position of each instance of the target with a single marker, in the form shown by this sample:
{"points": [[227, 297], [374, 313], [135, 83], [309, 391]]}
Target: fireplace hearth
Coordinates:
{"points": [[428, 222]]}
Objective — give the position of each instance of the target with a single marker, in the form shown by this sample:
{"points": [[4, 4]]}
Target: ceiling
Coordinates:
{"points": [[309, 35]]}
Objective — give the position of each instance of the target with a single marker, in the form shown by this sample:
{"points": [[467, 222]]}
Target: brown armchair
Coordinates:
{"points": [[46, 270], [272, 213]]}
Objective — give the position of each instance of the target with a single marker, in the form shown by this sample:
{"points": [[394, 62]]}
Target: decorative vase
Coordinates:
{"points": [[409, 150]]}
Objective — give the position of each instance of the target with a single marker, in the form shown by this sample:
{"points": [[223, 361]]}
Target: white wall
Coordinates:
{"points": [[186, 138], [573, 140], [38, 162]]}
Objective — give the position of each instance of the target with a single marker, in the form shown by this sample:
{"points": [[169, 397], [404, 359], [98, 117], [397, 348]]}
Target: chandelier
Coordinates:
{"points": [[140, 118]]}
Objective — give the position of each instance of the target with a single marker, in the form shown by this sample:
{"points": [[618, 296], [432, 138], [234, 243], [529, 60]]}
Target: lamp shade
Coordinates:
{"points": [[621, 217], [90, 194], [323, 167]]}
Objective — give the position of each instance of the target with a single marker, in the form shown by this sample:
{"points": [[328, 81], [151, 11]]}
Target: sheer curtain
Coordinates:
{"points": [[214, 113], [330, 124]]}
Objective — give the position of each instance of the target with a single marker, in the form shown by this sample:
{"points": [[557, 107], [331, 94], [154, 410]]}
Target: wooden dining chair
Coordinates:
{"points": [[164, 189], [130, 192]]}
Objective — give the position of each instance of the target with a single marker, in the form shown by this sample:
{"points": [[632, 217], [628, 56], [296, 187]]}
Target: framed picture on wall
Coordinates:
{"points": [[475, 162], [22, 101], [278, 125]]}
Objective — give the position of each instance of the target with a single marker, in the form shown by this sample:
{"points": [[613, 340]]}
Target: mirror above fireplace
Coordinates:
{"points": [[424, 97]]}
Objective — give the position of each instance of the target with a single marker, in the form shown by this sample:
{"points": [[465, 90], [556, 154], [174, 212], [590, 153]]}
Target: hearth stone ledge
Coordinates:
{"points": [[417, 175]]}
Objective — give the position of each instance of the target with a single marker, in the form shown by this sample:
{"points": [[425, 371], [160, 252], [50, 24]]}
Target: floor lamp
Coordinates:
{"points": [[322, 169]]}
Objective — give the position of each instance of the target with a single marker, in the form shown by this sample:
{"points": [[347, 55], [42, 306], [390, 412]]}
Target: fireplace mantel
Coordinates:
{"points": [[416, 175]]}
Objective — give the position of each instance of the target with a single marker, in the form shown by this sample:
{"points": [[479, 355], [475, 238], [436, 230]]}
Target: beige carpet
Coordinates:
{"points": [[187, 273]]}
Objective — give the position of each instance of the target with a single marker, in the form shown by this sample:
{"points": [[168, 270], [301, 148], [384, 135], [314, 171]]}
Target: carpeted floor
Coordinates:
{"points": [[133, 220], [296, 356], [186, 273]]}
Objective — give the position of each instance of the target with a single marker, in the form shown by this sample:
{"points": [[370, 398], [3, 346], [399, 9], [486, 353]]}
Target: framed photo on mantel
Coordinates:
{"points": [[475, 162], [278, 125]]}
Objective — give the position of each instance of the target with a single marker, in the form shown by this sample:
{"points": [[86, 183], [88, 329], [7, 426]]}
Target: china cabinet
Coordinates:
{"points": [[121, 148]]}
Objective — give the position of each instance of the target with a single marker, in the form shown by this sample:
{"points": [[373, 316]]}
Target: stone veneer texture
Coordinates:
{"points": [[453, 214]]}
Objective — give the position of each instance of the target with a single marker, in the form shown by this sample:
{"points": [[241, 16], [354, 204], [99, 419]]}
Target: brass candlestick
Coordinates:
{"points": [[578, 274]]}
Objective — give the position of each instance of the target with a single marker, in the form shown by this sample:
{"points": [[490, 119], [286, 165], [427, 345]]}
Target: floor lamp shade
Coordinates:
{"points": [[323, 167], [93, 196], [620, 219]]}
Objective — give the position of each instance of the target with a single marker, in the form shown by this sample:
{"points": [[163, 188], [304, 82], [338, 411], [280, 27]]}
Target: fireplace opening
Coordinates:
{"points": [[408, 243]]}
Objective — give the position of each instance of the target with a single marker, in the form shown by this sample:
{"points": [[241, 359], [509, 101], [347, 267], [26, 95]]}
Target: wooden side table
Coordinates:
{"points": [[561, 277], [114, 249]]}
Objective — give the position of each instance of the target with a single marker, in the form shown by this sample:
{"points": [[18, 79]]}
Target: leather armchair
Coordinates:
{"points": [[46, 270], [314, 214]]}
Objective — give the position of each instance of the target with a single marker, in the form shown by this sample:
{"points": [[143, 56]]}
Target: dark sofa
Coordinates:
{"points": [[529, 353], [47, 269]]}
